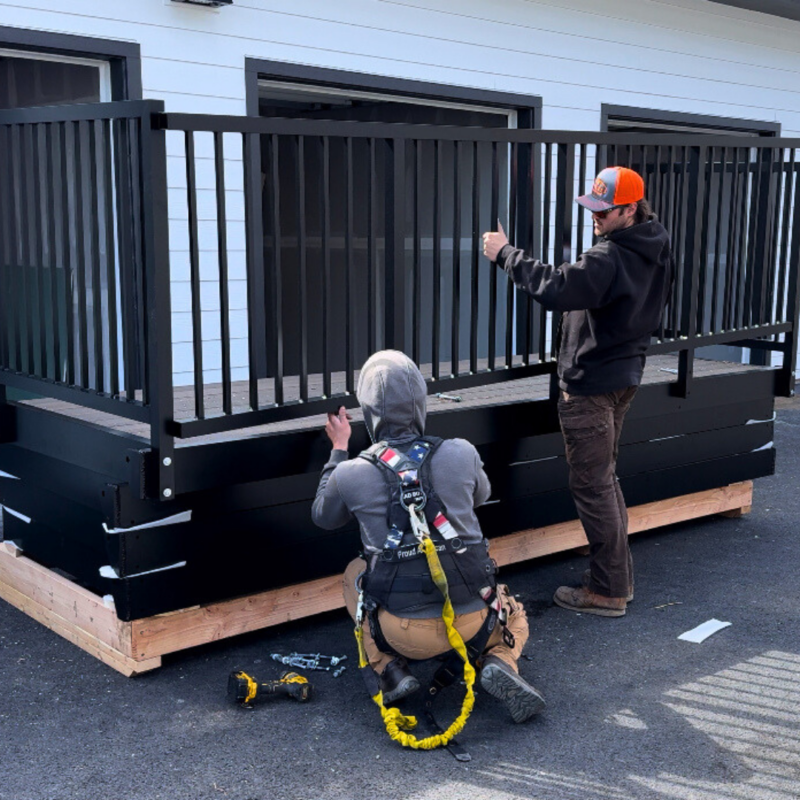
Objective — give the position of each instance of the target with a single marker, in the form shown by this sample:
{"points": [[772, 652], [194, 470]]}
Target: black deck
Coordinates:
{"points": [[81, 478]]}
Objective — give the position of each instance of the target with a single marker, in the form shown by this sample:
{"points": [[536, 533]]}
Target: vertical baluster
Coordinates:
{"points": [[456, 306], [782, 291], [493, 214], [41, 243], [513, 189], [111, 269], [27, 215], [327, 293], [277, 270], [81, 134], [437, 255], [581, 210], [194, 267], [97, 289], [7, 246], [350, 280], [222, 264], [416, 336], [730, 249], [548, 198], [302, 247], [476, 233], [714, 318], [775, 211], [741, 251], [16, 277], [706, 166], [372, 245], [125, 251], [139, 220]]}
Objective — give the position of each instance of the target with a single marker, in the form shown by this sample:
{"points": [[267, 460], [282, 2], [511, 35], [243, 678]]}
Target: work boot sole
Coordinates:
{"points": [[521, 699], [597, 610], [407, 686]]}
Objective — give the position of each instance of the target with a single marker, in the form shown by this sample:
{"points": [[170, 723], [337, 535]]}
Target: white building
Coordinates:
{"points": [[566, 64]]}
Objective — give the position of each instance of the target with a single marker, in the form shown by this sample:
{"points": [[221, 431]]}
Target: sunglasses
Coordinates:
{"points": [[604, 214]]}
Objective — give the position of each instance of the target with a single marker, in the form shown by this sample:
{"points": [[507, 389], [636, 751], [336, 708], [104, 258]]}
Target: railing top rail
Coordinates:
{"points": [[379, 130], [120, 109]]}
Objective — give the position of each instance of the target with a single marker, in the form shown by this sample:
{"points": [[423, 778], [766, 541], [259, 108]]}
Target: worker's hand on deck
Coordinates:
{"points": [[494, 242], [338, 429]]}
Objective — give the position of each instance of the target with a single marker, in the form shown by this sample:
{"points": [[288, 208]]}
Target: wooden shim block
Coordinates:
{"points": [[135, 647], [72, 633], [73, 604], [735, 513], [10, 549], [167, 633], [538, 542]]}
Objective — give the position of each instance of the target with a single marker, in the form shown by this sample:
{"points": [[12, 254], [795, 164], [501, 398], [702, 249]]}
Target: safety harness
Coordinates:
{"points": [[396, 580]]}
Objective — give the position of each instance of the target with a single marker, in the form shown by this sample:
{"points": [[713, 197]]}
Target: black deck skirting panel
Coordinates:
{"points": [[250, 499]]}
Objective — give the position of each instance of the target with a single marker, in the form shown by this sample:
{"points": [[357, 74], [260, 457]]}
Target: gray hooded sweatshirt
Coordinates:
{"points": [[392, 394]]}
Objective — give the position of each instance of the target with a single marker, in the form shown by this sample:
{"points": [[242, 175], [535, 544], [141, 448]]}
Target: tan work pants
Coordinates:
{"points": [[419, 639]]}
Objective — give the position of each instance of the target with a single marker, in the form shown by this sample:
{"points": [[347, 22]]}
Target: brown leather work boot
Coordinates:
{"points": [[587, 602], [585, 582]]}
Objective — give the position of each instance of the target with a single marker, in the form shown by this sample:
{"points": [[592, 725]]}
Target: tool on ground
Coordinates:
{"points": [[244, 690], [311, 661], [456, 398]]}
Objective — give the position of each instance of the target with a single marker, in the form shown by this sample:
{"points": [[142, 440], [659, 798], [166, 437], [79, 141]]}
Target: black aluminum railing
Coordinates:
{"points": [[298, 247]]}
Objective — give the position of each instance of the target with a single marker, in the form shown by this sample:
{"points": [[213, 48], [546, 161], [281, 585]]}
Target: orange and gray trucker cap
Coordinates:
{"points": [[614, 186]]}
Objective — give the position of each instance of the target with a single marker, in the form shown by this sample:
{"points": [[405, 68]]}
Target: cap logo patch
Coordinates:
{"points": [[599, 189]]}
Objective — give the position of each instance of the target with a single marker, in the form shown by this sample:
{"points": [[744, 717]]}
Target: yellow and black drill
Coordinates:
{"points": [[244, 690]]}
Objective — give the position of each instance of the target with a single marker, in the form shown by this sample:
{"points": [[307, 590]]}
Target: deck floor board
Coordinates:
{"points": [[659, 369]]}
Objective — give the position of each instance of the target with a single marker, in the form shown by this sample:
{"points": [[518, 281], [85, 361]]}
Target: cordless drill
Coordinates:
{"points": [[244, 690]]}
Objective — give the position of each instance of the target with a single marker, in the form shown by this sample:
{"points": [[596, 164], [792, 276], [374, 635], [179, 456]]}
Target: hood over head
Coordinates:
{"points": [[649, 240], [393, 396]]}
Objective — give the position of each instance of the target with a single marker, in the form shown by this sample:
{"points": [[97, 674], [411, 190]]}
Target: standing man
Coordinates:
{"points": [[612, 301]]}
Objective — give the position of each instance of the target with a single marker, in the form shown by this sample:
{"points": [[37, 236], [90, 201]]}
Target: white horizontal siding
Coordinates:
{"points": [[675, 55]]}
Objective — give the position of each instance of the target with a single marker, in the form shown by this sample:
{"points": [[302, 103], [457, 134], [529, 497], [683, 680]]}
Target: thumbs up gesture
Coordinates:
{"points": [[494, 242]]}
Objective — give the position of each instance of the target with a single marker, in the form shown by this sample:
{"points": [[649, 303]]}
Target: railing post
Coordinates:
{"points": [[760, 250], [785, 380], [395, 250], [693, 260], [155, 234]]}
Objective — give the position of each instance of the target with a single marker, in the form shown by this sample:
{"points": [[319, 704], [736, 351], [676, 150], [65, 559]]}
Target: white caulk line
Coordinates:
{"points": [[183, 516], [762, 421], [532, 461], [767, 446], [17, 514], [110, 572]]}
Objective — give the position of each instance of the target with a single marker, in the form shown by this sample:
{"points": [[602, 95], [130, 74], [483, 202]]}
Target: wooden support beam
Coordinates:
{"points": [[166, 633], [538, 542], [69, 610], [134, 647]]}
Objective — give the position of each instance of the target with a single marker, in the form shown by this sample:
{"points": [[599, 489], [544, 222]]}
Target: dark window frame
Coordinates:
{"points": [[528, 107], [788, 9], [124, 58], [637, 114]]}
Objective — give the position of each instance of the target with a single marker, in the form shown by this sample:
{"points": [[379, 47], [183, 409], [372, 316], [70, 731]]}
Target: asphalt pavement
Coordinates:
{"points": [[633, 712]]}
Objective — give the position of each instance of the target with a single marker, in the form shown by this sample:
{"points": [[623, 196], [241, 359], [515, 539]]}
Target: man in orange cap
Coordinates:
{"points": [[612, 301]]}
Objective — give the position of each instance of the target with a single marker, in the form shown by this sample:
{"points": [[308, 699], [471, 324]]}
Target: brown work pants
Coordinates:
{"points": [[592, 425], [419, 639]]}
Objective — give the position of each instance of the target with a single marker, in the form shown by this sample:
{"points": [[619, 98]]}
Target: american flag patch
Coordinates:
{"points": [[390, 457], [444, 527]]}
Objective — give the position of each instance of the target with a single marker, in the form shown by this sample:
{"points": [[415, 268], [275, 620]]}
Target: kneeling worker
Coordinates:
{"points": [[445, 478]]}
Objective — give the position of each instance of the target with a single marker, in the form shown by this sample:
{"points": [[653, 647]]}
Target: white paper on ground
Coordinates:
{"points": [[702, 632]]}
